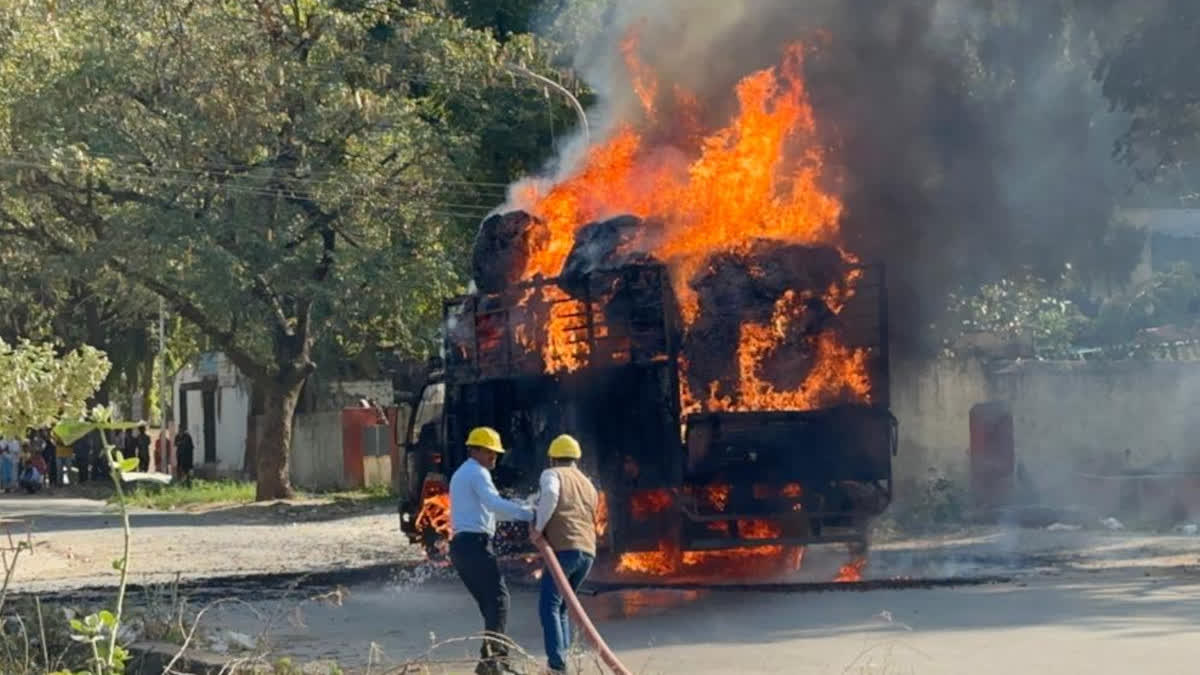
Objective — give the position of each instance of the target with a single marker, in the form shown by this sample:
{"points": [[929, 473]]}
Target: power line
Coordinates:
{"points": [[264, 191], [214, 170]]}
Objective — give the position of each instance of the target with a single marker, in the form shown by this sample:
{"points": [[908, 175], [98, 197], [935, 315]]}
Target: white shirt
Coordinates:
{"points": [[475, 502], [549, 487]]}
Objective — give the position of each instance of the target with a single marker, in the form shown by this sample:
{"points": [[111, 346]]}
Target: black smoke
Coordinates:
{"points": [[966, 137]]}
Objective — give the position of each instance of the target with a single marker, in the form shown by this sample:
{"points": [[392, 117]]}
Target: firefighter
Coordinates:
{"points": [[474, 506], [566, 517]]}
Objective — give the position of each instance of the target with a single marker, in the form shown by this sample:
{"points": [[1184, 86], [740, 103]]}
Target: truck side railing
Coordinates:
{"points": [[557, 325]]}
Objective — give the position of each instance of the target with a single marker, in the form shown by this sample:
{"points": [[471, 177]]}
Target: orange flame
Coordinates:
{"points": [[717, 496], [645, 504], [601, 514], [758, 529], [851, 571], [839, 373], [645, 85], [666, 561], [435, 514], [566, 348], [733, 555], [660, 562], [747, 181]]}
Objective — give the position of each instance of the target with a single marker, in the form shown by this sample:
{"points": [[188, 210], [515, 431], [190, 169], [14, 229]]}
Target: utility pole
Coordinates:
{"points": [[163, 402]]}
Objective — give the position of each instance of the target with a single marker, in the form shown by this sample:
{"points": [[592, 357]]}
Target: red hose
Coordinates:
{"points": [[577, 613]]}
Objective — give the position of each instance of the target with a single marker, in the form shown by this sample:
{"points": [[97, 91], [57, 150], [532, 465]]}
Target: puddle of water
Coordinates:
{"points": [[634, 603]]}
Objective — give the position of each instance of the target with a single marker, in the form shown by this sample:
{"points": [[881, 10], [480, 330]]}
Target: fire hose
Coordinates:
{"points": [[564, 587]]}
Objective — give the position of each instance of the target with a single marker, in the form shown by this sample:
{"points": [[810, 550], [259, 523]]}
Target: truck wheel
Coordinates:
{"points": [[437, 547]]}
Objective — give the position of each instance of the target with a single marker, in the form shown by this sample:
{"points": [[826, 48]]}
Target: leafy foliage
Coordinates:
{"points": [[1169, 298], [1149, 75], [39, 387], [295, 179], [1028, 309], [1043, 313]]}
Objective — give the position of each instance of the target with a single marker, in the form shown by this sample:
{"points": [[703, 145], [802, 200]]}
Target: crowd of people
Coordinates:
{"points": [[41, 459]]}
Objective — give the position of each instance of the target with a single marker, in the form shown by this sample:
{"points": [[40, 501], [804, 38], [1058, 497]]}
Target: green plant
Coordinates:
{"points": [[938, 502], [198, 493], [1010, 309], [100, 629]]}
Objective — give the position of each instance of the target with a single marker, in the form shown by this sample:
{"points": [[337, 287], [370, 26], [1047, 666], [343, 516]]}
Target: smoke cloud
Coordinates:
{"points": [[966, 137]]}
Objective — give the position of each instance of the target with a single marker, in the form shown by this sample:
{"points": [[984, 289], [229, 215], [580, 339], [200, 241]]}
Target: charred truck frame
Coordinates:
{"points": [[609, 372]]}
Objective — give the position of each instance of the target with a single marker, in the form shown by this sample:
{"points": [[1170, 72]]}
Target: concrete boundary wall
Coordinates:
{"points": [[1068, 417], [317, 458]]}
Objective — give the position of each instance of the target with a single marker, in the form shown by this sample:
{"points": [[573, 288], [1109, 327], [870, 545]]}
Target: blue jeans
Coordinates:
{"points": [[553, 609], [8, 470]]}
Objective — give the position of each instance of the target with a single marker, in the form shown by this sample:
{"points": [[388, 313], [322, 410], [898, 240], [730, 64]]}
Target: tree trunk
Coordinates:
{"points": [[97, 338], [275, 444], [254, 427]]}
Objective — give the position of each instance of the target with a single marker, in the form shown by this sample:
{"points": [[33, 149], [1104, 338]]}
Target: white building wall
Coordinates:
{"points": [[233, 409], [195, 416], [231, 402]]}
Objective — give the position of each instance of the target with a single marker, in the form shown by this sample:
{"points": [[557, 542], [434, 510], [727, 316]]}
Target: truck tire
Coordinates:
{"points": [[437, 547]]}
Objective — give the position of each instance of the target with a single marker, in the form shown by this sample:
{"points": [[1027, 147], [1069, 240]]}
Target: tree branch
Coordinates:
{"points": [[261, 287], [32, 233], [225, 339]]}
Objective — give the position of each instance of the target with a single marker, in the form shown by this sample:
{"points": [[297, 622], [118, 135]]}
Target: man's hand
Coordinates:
{"points": [[534, 535]]}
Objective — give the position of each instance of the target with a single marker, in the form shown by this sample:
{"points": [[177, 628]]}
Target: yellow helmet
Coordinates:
{"points": [[565, 447], [486, 438]]}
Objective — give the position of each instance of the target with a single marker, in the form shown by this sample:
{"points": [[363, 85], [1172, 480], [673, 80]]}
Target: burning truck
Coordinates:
{"points": [[683, 306]]}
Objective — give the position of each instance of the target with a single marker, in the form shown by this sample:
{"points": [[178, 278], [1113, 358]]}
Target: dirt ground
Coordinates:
{"points": [[75, 540]]}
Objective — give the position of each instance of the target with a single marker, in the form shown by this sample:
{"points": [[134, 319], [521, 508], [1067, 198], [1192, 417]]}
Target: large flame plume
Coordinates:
{"points": [[759, 177]]}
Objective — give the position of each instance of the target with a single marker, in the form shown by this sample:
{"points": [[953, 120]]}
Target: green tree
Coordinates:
{"points": [[280, 173], [1148, 74], [46, 298], [1015, 310], [1169, 297]]}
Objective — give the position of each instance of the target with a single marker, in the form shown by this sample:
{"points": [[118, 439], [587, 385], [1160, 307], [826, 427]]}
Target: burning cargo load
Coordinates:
{"points": [[502, 249], [766, 317], [763, 329]]}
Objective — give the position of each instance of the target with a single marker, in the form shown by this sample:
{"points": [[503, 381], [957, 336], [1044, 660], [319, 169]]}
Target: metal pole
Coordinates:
{"points": [[163, 403], [579, 111]]}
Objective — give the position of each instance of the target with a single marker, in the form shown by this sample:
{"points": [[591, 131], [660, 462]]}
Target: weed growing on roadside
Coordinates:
{"points": [[938, 502], [200, 492]]}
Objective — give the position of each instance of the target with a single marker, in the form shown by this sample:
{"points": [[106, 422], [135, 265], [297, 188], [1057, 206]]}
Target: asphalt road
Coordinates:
{"points": [[1116, 622], [1087, 601]]}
